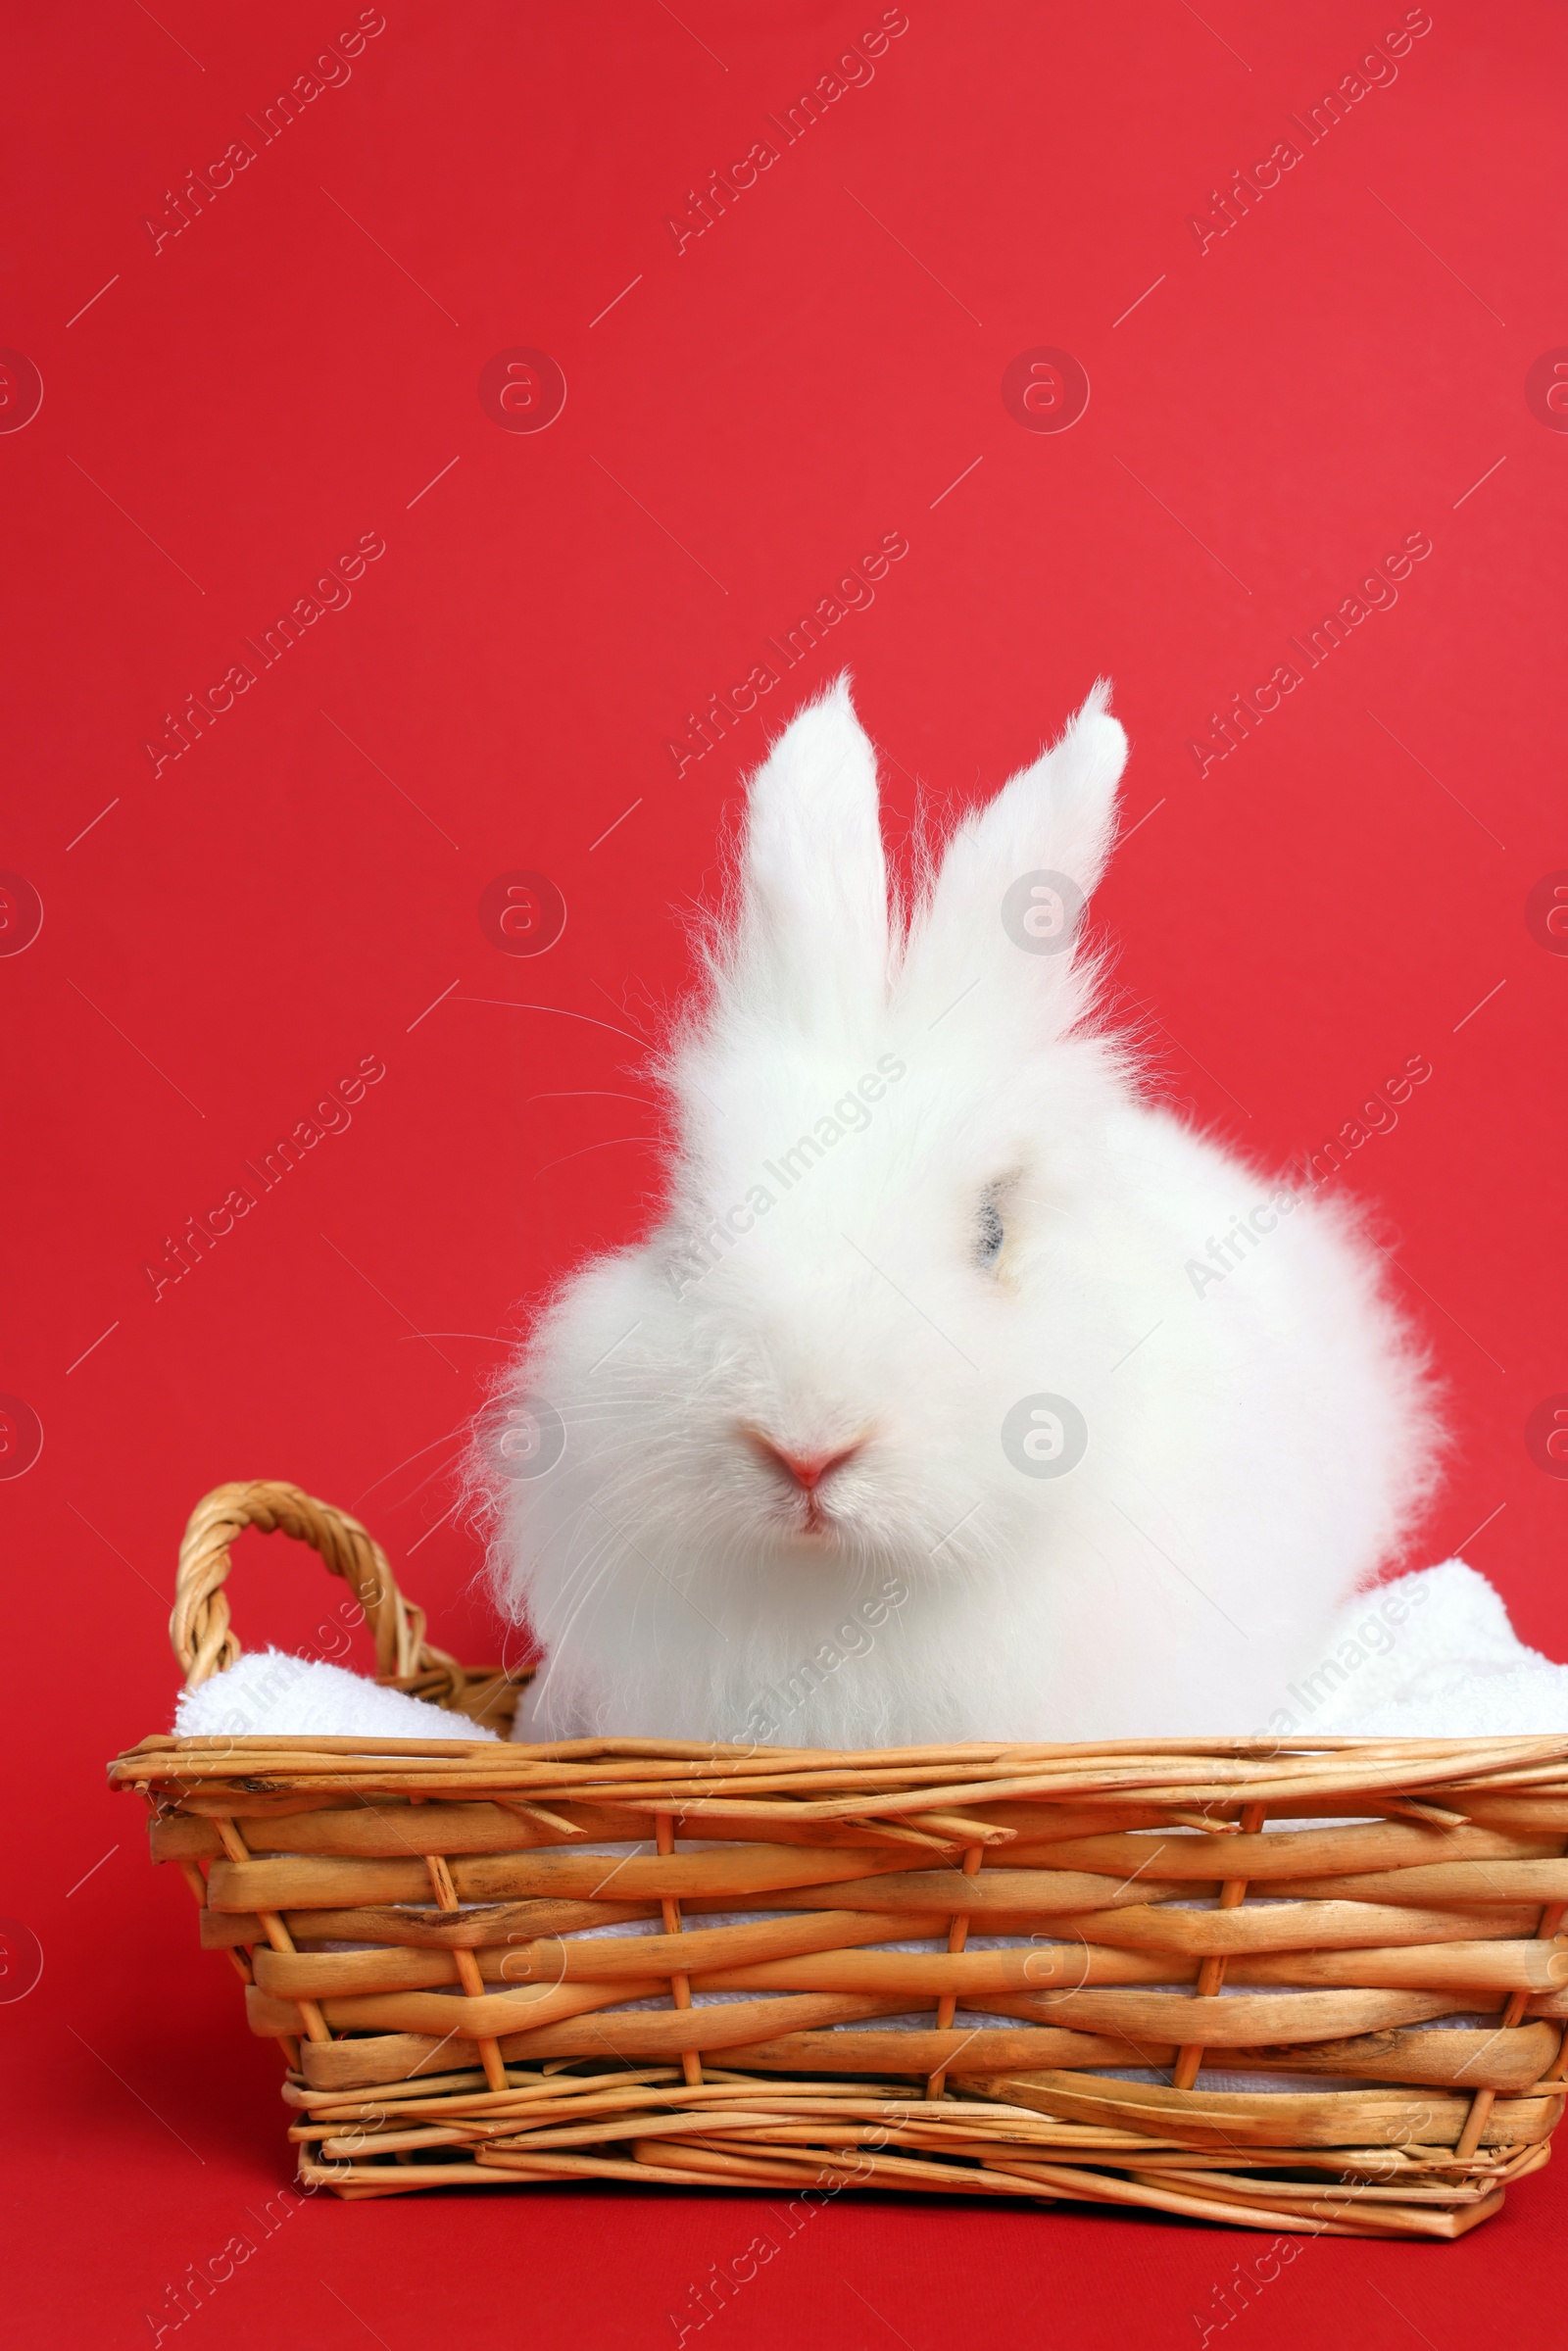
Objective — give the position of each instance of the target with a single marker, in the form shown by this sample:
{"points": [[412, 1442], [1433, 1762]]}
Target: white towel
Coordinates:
{"points": [[267, 1690], [1453, 1667]]}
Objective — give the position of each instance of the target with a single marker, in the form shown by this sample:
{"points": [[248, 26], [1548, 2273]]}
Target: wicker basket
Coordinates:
{"points": [[410, 1920]]}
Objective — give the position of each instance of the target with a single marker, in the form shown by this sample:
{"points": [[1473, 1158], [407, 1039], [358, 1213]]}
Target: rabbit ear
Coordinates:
{"points": [[1005, 907], [812, 938]]}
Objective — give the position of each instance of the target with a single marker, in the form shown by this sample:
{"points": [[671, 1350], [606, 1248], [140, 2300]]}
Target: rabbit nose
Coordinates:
{"points": [[805, 1470]]}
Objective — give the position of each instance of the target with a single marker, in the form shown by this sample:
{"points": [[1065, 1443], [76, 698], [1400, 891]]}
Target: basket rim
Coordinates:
{"points": [[1428, 1780]]}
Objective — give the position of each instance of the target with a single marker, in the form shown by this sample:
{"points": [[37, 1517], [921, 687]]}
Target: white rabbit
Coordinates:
{"points": [[914, 1418]]}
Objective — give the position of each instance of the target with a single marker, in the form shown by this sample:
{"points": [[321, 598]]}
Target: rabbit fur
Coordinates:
{"points": [[920, 1197]]}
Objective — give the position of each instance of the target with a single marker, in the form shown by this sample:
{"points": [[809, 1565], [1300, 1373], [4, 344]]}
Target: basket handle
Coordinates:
{"points": [[199, 1628]]}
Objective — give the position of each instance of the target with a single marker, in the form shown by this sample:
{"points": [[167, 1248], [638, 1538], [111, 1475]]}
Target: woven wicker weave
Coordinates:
{"points": [[1183, 1921]]}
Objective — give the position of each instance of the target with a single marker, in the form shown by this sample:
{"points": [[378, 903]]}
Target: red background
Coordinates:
{"points": [[236, 408]]}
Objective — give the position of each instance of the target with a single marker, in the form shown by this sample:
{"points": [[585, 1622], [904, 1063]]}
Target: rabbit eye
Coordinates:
{"points": [[991, 1233]]}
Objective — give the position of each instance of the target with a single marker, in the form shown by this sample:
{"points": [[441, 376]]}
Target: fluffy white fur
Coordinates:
{"points": [[1255, 1454], [1428, 1656]]}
